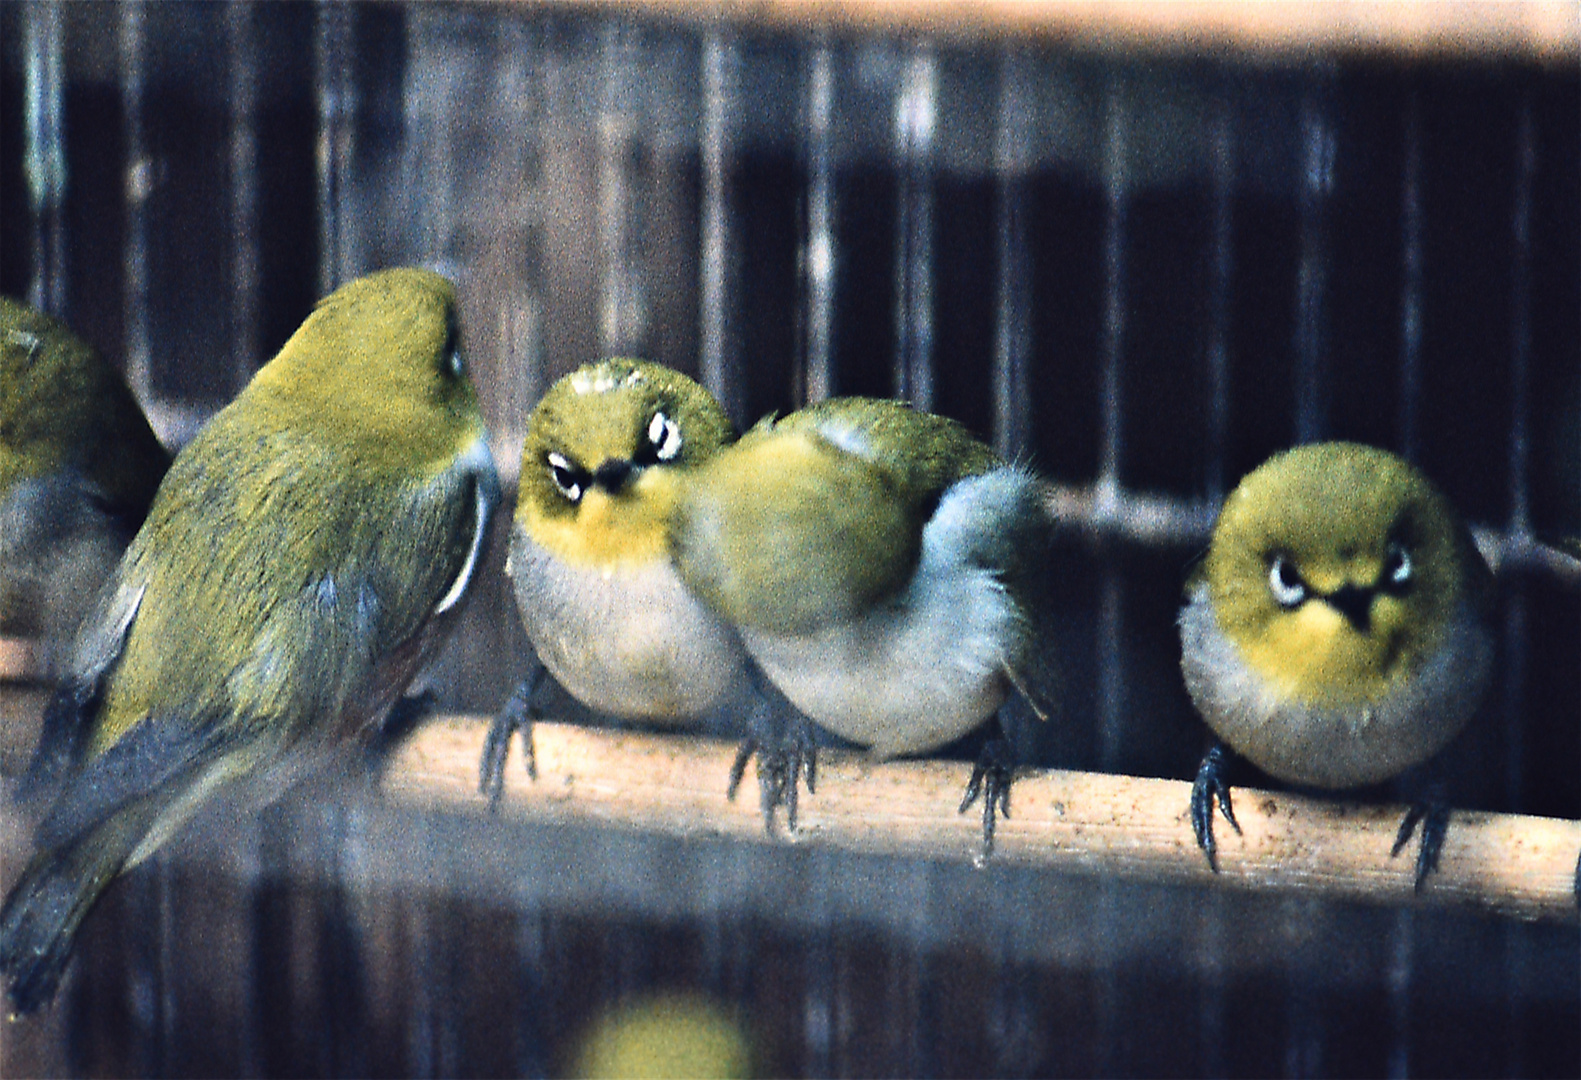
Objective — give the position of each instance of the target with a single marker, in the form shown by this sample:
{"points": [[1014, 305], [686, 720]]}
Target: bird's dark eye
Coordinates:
{"points": [[571, 480], [1398, 569], [451, 361], [1284, 581], [664, 437]]}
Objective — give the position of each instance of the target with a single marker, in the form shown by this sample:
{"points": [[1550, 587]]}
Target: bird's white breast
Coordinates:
{"points": [[928, 665], [1326, 746], [629, 641]]}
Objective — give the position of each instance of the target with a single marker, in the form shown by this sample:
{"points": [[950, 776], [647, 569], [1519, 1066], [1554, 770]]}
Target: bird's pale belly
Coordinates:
{"points": [[629, 641]]}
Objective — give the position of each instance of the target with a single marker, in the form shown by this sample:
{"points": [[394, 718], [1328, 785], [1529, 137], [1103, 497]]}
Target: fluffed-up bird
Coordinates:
{"points": [[883, 568], [79, 466], [606, 455], [306, 554], [1335, 634]]}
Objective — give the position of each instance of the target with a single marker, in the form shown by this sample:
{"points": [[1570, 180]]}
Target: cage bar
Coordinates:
{"points": [[819, 253]]}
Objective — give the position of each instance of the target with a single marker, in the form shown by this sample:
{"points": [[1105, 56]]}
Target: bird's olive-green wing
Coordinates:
{"points": [[812, 519], [279, 575]]}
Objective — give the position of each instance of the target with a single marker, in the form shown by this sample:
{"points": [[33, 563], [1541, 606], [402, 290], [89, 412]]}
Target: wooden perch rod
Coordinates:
{"points": [[1513, 865], [1544, 28]]}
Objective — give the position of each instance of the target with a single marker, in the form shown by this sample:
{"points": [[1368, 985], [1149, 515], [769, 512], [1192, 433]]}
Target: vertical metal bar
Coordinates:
{"points": [[1399, 974], [915, 111], [915, 1011], [1411, 285], [429, 97], [165, 979], [1316, 182], [1517, 948], [1521, 325], [251, 1013], [1110, 686], [426, 985], [242, 45], [721, 99], [535, 1018], [818, 1019], [44, 153], [336, 109], [1517, 639], [1212, 943], [139, 185], [1221, 170], [1110, 1033], [819, 253], [1305, 920], [1115, 182], [520, 380], [1401, 969], [622, 318], [1013, 307], [1221, 178]]}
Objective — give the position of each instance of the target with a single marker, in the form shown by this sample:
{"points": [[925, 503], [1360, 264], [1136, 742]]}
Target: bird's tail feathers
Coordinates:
{"points": [[38, 924]]}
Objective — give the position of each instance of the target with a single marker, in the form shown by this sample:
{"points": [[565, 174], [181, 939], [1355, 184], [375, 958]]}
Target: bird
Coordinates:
{"points": [[1336, 632], [606, 454], [664, 1034], [79, 466], [307, 553], [882, 567]]}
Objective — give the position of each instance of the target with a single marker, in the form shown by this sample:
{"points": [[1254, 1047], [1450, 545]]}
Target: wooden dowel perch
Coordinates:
{"points": [[1510, 864]]}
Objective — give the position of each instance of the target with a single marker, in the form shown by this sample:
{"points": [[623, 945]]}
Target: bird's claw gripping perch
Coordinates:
{"points": [[1212, 784], [991, 778], [1434, 819], [516, 716], [781, 765]]}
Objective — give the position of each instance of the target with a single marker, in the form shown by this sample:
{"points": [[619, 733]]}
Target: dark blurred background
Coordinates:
{"points": [[1140, 269]]}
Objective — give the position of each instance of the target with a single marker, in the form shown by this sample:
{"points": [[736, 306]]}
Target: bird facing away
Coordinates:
{"points": [[1335, 634], [307, 553], [881, 565]]}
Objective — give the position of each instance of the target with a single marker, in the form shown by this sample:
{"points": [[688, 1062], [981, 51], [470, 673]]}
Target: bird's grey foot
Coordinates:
{"points": [[782, 763], [1434, 819], [404, 716], [1212, 783], [991, 778], [518, 715]]}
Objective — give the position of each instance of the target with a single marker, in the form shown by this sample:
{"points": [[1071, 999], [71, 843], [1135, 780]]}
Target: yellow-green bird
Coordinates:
{"points": [[306, 554], [1335, 634], [79, 466], [675, 1035], [882, 568], [606, 455]]}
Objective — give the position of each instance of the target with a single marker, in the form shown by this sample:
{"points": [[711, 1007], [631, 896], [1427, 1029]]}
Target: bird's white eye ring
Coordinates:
{"points": [[665, 437], [1285, 583], [1397, 568], [458, 366], [566, 476]]}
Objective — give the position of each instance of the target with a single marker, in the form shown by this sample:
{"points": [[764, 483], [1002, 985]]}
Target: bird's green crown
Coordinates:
{"points": [[1336, 568], [379, 362]]}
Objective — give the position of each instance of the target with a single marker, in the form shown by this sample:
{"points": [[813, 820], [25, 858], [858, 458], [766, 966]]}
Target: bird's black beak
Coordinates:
{"points": [[1355, 603], [613, 474]]}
